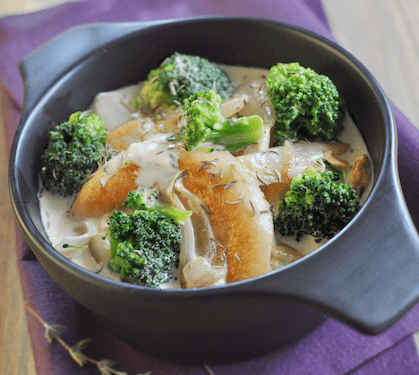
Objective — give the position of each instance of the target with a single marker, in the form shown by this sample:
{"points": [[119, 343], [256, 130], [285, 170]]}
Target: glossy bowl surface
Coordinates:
{"points": [[355, 277]]}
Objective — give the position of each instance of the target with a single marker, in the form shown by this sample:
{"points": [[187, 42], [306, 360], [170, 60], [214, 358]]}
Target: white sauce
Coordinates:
{"points": [[115, 106], [157, 168]]}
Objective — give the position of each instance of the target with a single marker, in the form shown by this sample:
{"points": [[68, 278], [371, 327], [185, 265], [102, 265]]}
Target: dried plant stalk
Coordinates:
{"points": [[76, 352]]}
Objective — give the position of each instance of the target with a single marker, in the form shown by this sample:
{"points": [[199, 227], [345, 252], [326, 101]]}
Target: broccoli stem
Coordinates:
{"points": [[205, 122], [139, 200], [179, 216], [237, 133]]}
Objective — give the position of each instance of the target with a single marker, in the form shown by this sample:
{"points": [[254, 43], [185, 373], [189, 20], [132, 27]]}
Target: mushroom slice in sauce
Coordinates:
{"points": [[360, 175], [282, 163], [114, 106], [202, 261], [283, 255], [79, 251], [259, 105]]}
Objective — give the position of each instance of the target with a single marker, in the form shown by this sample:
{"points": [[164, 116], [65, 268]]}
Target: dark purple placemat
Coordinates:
{"points": [[332, 349]]}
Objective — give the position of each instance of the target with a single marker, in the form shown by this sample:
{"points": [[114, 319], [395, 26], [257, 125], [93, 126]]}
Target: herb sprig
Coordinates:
{"points": [[105, 366]]}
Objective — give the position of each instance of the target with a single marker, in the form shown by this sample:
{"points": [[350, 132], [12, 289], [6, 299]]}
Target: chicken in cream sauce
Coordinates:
{"points": [[230, 235]]}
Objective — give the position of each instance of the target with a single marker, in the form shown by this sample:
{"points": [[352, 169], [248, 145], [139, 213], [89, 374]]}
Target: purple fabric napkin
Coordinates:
{"points": [[331, 349]]}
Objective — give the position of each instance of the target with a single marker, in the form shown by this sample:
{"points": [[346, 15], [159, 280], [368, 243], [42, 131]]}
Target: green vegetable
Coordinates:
{"points": [[139, 200], [74, 149], [177, 78], [145, 244], [317, 204], [204, 122], [307, 104]]}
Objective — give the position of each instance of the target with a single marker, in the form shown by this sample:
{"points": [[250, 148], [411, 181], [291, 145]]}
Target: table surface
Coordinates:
{"points": [[382, 34]]}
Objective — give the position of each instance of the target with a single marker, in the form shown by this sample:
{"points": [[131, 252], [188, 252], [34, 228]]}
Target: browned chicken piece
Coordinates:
{"points": [[138, 166], [131, 131], [238, 212], [95, 199]]}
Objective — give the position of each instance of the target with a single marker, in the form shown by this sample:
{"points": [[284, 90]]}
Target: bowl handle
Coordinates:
{"points": [[369, 275], [42, 67]]}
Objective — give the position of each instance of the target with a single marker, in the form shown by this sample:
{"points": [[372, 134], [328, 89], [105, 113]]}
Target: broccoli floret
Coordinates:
{"points": [[177, 78], [139, 200], [317, 204], [144, 244], [307, 104], [204, 122], [74, 149]]}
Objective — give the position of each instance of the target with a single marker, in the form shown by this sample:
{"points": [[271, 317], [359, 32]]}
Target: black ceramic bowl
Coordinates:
{"points": [[367, 276]]}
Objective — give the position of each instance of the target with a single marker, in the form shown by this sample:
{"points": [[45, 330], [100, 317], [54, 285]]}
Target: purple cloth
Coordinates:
{"points": [[331, 349]]}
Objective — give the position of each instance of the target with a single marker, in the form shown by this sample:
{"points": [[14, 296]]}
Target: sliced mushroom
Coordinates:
{"points": [[283, 255], [259, 105], [281, 164], [114, 106], [360, 174], [100, 248], [202, 252], [337, 148], [77, 250], [337, 162], [200, 272], [229, 107]]}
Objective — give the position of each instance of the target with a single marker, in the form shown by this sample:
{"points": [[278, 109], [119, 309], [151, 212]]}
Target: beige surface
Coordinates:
{"points": [[9, 7], [15, 348], [383, 34]]}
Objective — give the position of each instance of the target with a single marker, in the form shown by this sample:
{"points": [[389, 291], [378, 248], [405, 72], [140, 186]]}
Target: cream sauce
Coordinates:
{"points": [[157, 161]]}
